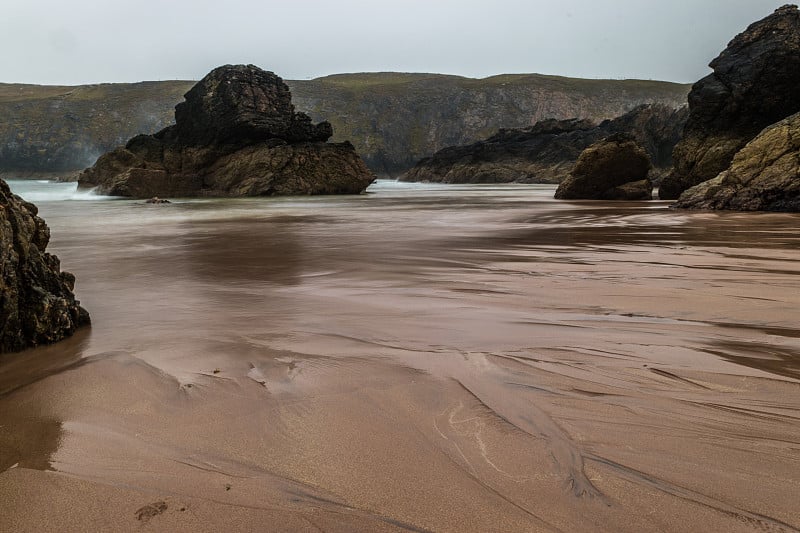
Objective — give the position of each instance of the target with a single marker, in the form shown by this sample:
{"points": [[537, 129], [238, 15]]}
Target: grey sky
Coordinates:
{"points": [[88, 41]]}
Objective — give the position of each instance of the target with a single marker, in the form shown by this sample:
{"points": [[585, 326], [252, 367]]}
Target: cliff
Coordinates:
{"points": [[392, 119], [395, 119], [754, 84], [236, 134], [63, 129]]}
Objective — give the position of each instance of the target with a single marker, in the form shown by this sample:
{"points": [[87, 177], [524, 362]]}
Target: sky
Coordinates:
{"points": [[69, 42]]}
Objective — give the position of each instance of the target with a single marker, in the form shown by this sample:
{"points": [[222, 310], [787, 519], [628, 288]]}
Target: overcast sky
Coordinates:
{"points": [[90, 41]]}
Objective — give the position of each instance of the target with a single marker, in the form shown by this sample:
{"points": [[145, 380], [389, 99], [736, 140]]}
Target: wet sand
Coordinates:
{"points": [[441, 358]]}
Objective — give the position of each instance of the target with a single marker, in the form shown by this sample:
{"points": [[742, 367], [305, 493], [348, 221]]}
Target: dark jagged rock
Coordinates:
{"points": [[612, 169], [232, 104], [237, 134], [547, 151], [37, 305], [754, 84], [764, 175], [538, 154]]}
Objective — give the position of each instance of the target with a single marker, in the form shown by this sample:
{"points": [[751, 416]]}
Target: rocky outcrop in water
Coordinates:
{"points": [[37, 305], [754, 84], [612, 169], [764, 175], [236, 134], [392, 119], [543, 153], [548, 151]]}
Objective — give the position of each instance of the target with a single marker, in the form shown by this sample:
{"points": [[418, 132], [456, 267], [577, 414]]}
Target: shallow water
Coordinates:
{"points": [[421, 356]]}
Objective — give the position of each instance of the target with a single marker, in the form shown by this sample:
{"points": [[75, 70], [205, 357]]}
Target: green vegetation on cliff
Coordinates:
{"points": [[393, 119], [61, 129]]}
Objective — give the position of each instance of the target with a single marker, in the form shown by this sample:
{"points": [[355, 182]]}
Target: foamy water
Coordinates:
{"points": [[51, 191]]}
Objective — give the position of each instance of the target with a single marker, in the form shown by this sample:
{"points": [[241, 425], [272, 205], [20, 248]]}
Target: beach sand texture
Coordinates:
{"points": [[443, 359]]}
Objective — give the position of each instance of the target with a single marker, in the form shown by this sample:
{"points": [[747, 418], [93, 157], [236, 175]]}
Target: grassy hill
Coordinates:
{"points": [[393, 119], [56, 129]]}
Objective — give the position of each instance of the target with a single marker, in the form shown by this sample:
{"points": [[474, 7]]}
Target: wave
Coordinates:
{"points": [[52, 191]]}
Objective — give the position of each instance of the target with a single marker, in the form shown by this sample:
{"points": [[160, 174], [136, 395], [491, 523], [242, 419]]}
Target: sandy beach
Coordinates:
{"points": [[423, 358]]}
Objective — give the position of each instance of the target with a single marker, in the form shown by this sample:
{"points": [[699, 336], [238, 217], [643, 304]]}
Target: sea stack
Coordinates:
{"points": [[236, 134], [37, 305], [754, 84]]}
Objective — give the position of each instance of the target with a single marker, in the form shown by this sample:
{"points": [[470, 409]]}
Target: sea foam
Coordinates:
{"points": [[51, 191]]}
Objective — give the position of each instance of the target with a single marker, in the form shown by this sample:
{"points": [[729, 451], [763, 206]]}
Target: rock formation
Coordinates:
{"points": [[764, 175], [612, 169], [547, 151], [543, 153], [36, 305], [754, 84], [236, 134], [392, 119]]}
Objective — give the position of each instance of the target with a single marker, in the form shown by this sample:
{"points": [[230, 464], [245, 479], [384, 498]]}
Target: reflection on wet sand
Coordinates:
{"points": [[453, 359], [27, 436]]}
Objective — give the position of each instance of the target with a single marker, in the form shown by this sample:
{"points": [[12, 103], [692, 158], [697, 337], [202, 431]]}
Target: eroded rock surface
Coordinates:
{"points": [[754, 84], [37, 305], [764, 175], [548, 151], [236, 134], [615, 168]]}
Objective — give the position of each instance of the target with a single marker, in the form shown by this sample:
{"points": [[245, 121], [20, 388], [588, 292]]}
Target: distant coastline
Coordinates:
{"points": [[393, 119]]}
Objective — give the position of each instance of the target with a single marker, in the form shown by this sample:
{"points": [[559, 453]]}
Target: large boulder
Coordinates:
{"points": [[764, 175], [615, 168], [37, 305], [754, 84], [236, 134], [547, 151]]}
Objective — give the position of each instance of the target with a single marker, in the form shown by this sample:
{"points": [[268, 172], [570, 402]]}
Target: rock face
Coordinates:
{"points": [[764, 175], [754, 84], [36, 305], [547, 151], [543, 153], [393, 119], [397, 119], [613, 169], [236, 134]]}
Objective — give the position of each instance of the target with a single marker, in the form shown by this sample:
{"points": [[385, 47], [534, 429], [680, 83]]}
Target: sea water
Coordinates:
{"points": [[50, 191]]}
